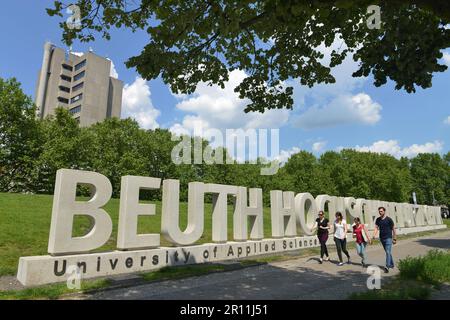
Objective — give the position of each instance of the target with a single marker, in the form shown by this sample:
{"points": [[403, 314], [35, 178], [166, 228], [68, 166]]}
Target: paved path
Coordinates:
{"points": [[302, 278]]}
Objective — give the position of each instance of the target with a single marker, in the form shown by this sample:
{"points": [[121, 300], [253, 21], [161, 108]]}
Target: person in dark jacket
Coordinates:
{"points": [[385, 226], [322, 225]]}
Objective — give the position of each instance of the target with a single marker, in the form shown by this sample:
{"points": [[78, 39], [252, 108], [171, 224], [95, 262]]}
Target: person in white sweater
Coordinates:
{"points": [[340, 239]]}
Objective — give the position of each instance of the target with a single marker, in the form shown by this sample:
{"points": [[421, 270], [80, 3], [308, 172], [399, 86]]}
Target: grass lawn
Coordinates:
{"points": [[446, 222], [52, 291]]}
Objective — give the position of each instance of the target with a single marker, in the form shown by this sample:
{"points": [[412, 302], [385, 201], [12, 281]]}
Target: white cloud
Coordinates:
{"points": [[343, 109], [447, 120], [286, 154], [113, 72], [392, 147], [319, 146], [323, 105], [78, 54], [342, 102], [446, 58], [179, 130], [214, 107], [137, 104]]}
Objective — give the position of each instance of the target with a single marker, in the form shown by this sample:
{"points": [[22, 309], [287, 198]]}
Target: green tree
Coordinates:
{"points": [[272, 41], [335, 171], [375, 176], [118, 148], [431, 176], [19, 137], [447, 160], [63, 145], [447, 157], [302, 170]]}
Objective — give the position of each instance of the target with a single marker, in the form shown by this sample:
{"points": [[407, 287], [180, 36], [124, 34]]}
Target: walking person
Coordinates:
{"points": [[340, 239], [385, 226], [362, 238], [322, 225]]}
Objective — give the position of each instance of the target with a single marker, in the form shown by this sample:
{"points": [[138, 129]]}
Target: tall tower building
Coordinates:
{"points": [[81, 83]]}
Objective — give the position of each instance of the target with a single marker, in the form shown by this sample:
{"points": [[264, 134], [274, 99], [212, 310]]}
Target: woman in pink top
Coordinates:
{"points": [[362, 238]]}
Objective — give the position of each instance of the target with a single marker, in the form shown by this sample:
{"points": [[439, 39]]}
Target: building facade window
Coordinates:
{"points": [[63, 100], [66, 78], [75, 110], [76, 98], [78, 87], [65, 89], [80, 65], [67, 67], [79, 76]]}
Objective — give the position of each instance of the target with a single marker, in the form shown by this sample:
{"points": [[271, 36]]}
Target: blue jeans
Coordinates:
{"points": [[361, 250], [387, 245]]}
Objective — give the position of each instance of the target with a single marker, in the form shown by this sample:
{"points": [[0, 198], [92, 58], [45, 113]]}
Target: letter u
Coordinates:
{"points": [[171, 212], [55, 268]]}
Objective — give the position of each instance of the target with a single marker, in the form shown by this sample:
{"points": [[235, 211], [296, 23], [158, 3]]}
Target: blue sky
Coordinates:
{"points": [[351, 113]]}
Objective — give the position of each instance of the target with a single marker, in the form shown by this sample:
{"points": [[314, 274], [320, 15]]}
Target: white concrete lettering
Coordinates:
{"points": [[289, 212]]}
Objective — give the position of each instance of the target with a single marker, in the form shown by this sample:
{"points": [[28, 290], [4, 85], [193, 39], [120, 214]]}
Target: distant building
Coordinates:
{"points": [[81, 83]]}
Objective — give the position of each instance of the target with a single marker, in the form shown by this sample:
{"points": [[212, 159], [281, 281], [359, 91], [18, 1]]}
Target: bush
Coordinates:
{"points": [[433, 268]]}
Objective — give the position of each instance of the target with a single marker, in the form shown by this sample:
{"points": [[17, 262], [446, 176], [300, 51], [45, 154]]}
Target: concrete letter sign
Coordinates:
{"points": [[170, 222], [65, 207], [351, 209], [390, 207], [306, 205], [409, 214], [242, 212], [282, 211], [400, 217], [142, 252], [437, 215], [220, 210], [371, 214], [362, 206], [429, 216], [420, 217], [131, 209], [321, 201], [339, 205]]}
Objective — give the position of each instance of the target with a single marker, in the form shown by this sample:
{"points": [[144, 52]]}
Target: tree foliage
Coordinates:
{"points": [[18, 132], [31, 151], [272, 41], [432, 178]]}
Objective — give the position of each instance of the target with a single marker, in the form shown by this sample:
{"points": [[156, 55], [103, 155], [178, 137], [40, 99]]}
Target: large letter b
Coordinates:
{"points": [[65, 207]]}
